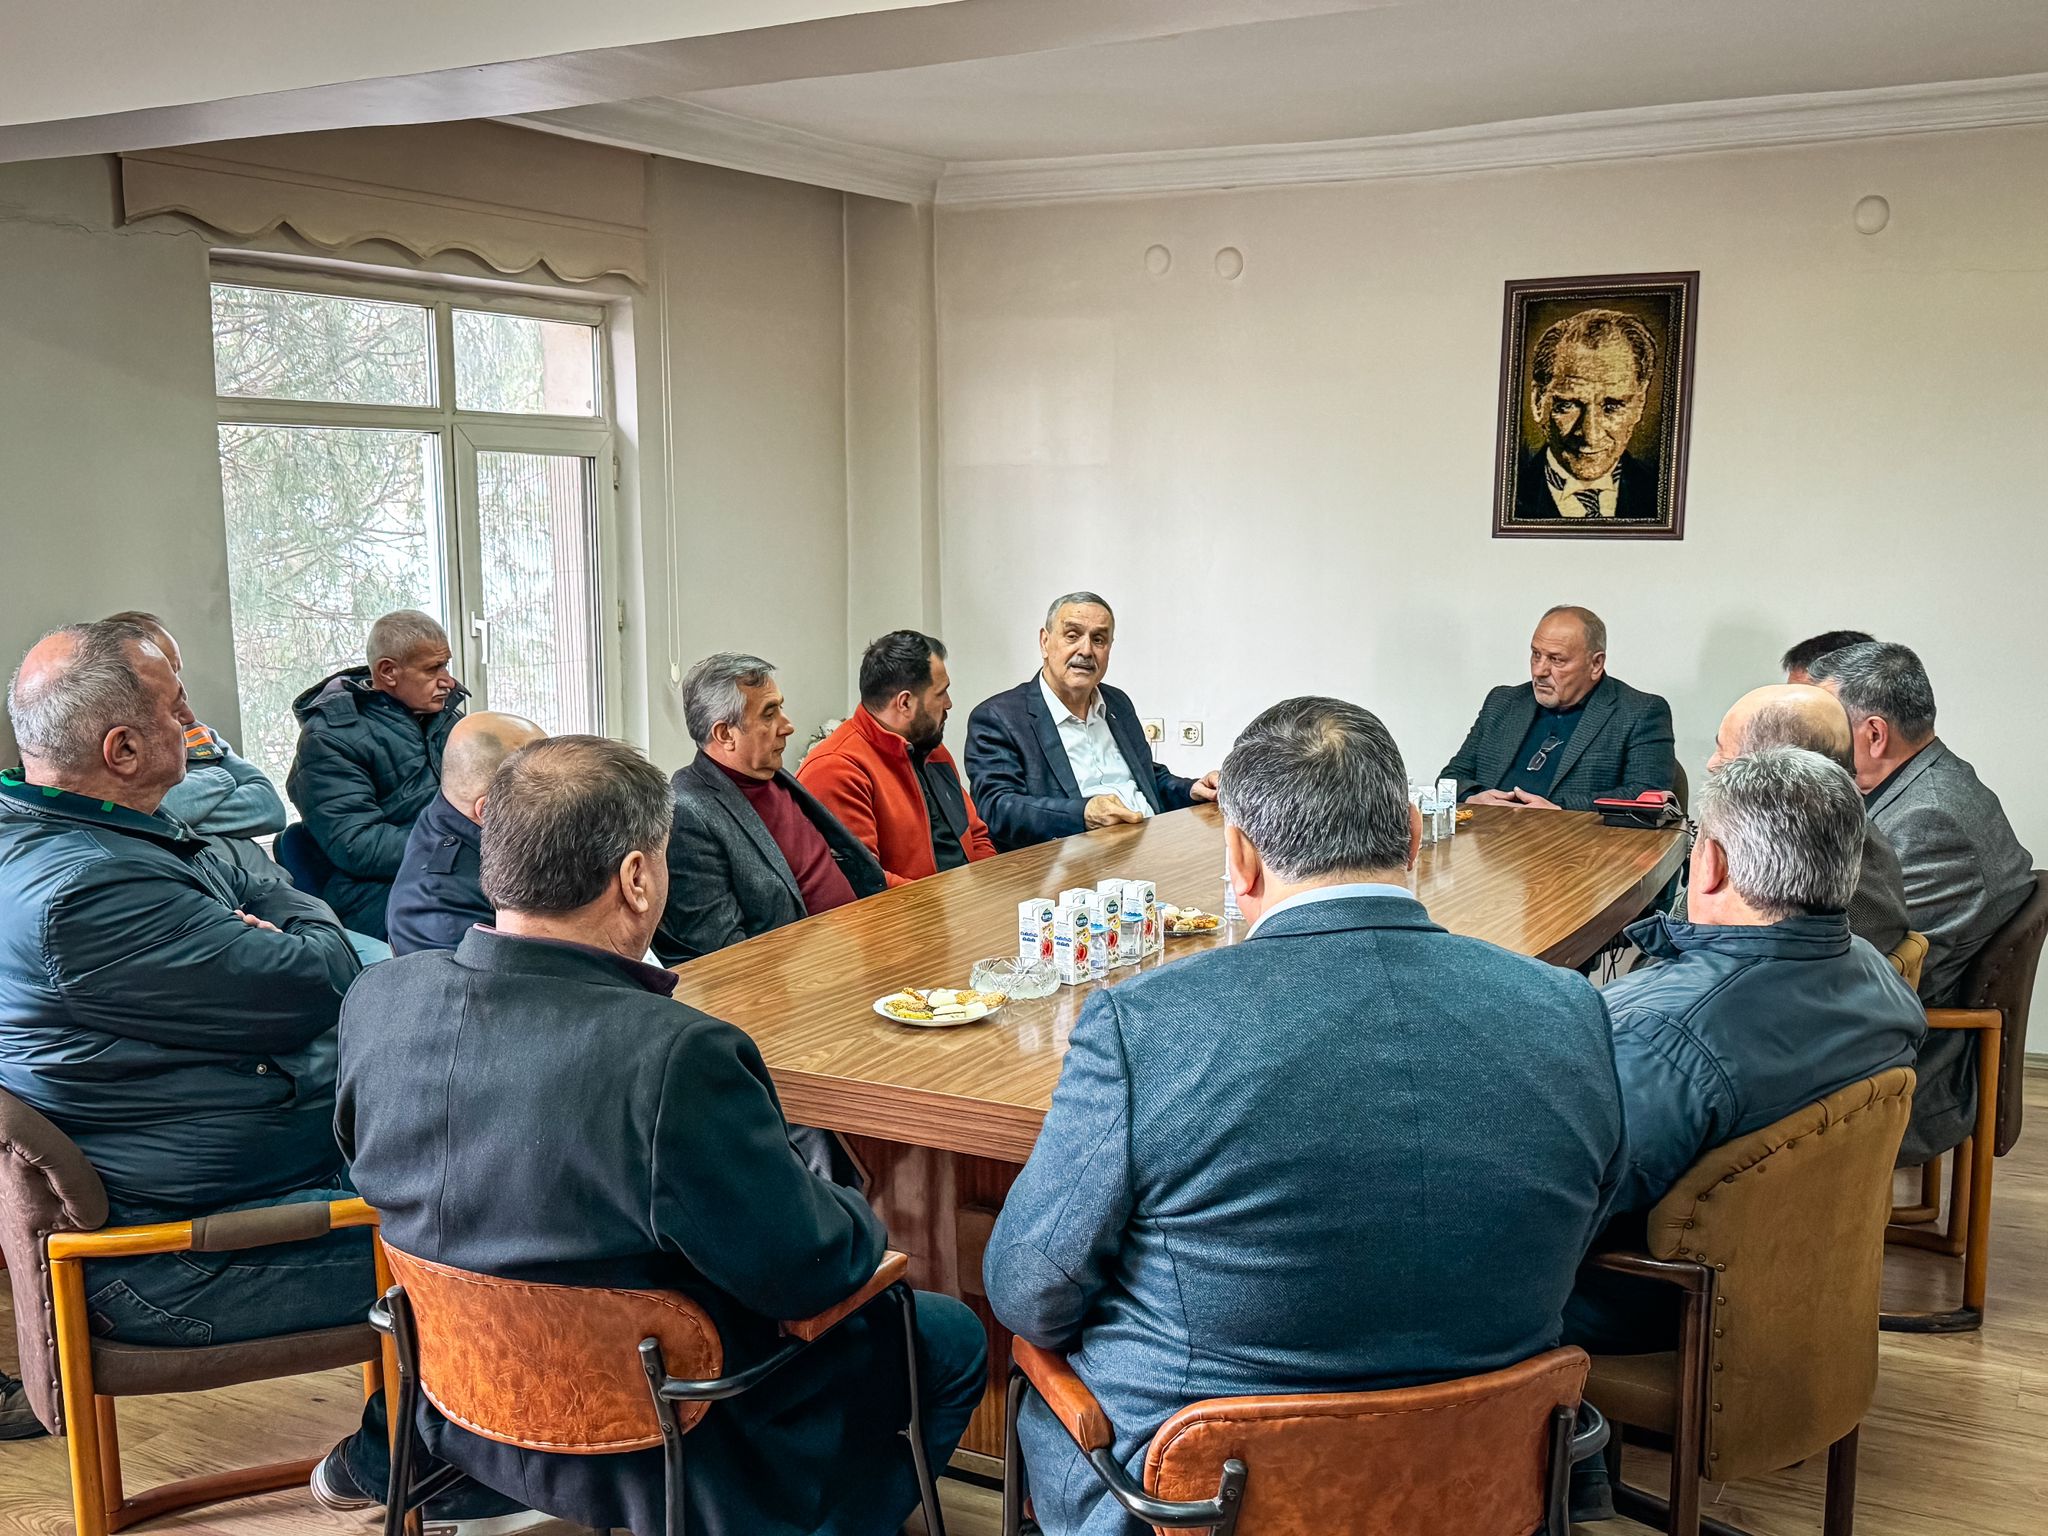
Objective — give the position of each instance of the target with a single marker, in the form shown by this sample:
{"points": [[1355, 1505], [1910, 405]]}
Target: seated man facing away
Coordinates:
{"points": [[1065, 752], [886, 773], [1798, 660], [1354, 1151], [1761, 1003], [369, 759], [752, 849], [534, 1105], [1800, 715], [226, 799], [1966, 873], [172, 1016], [439, 893], [1570, 735]]}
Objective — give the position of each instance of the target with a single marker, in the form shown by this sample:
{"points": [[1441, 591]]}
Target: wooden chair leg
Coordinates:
{"points": [[1928, 1205], [1840, 1513], [81, 1413], [111, 1495], [1970, 1221]]}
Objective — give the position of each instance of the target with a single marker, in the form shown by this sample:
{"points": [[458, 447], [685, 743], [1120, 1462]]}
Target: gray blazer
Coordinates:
{"points": [[1622, 745], [727, 880], [1966, 875]]}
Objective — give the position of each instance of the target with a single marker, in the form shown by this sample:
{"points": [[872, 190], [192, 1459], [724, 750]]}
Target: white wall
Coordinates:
{"points": [[109, 465], [1284, 482]]}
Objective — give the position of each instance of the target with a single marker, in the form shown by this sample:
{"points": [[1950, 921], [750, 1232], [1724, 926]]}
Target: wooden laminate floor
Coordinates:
{"points": [[1955, 1445]]}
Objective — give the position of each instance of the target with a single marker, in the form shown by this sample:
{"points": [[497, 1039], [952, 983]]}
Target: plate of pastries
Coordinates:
{"points": [[939, 1007]]}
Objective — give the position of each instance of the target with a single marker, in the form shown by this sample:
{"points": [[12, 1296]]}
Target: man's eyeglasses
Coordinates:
{"points": [[1542, 754]]}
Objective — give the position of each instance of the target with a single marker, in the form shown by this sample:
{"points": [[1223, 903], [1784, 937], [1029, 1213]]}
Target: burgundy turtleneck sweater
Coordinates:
{"points": [[820, 884]]}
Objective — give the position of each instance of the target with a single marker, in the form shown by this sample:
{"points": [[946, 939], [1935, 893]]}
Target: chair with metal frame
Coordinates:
{"points": [[1483, 1455], [53, 1210], [1774, 1244], [503, 1380], [1996, 996]]}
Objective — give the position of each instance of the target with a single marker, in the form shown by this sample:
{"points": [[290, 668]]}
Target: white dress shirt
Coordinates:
{"points": [[1092, 753], [1564, 489]]}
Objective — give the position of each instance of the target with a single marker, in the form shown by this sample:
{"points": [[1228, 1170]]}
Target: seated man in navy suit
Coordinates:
{"points": [[1354, 1151], [1065, 752]]}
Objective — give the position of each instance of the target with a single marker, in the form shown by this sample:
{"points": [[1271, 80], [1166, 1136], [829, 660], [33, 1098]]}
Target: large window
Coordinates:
{"points": [[452, 454]]}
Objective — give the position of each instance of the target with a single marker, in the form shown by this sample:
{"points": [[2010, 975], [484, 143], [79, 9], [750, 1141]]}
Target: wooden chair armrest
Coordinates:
{"points": [[226, 1232], [1683, 1273], [893, 1267], [1065, 1393], [1966, 1018]]}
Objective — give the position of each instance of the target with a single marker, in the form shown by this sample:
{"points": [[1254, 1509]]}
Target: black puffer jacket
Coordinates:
{"points": [[366, 767]]}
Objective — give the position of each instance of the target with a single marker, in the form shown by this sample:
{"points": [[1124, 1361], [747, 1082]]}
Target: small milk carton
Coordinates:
{"points": [[1101, 929], [1072, 944], [1034, 929], [1110, 895], [1144, 895]]}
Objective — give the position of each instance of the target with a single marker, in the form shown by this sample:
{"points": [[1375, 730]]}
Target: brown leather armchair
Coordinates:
{"points": [[1483, 1455], [1774, 1243], [53, 1211], [1997, 993], [585, 1370]]}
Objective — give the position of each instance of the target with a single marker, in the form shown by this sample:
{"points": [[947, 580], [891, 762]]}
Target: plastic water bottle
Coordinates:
{"points": [[1446, 807], [1232, 912]]}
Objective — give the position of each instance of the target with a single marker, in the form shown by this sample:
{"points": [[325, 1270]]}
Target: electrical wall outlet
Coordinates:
{"points": [[1155, 729], [1191, 733]]}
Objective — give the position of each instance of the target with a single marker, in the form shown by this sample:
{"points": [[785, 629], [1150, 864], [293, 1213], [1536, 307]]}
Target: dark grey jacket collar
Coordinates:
{"points": [[1929, 756], [1809, 936], [1345, 913]]}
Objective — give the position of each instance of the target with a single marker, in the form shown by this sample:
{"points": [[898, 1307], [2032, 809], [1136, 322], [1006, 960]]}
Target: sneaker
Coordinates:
{"points": [[469, 1509], [332, 1487], [18, 1421], [1592, 1497]]}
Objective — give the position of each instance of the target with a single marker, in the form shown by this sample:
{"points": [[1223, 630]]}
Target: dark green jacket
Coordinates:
{"points": [[366, 767], [189, 1055]]}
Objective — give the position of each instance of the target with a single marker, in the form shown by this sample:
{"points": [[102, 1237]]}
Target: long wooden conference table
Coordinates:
{"points": [[941, 1120]]}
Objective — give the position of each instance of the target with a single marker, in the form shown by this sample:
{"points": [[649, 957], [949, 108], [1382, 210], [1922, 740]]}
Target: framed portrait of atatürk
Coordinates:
{"points": [[1595, 407]]}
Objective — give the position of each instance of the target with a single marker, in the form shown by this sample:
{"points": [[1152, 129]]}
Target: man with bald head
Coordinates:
{"points": [[438, 894], [1570, 735], [1801, 715], [169, 1013]]}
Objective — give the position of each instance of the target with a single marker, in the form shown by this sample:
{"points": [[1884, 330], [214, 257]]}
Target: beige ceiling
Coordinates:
{"points": [[1398, 67]]}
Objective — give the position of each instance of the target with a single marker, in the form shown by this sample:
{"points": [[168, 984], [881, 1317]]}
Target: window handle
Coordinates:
{"points": [[480, 627]]}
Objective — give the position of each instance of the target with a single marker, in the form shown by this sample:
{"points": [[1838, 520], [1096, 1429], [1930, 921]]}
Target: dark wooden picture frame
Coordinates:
{"points": [[1600, 327]]}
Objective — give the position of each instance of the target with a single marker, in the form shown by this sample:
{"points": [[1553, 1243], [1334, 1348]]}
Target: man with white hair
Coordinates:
{"points": [[168, 1012], [369, 759]]}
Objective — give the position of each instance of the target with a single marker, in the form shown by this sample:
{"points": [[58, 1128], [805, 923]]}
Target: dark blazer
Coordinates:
{"points": [[1260, 1174], [365, 768], [1622, 745], [189, 1055], [1017, 766], [1966, 874], [535, 1111], [438, 895], [727, 880], [1635, 492]]}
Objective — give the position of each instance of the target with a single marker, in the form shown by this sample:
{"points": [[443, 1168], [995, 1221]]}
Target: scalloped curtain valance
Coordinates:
{"points": [[514, 198]]}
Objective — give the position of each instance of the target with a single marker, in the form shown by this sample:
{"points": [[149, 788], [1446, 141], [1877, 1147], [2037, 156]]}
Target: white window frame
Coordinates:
{"points": [[460, 434]]}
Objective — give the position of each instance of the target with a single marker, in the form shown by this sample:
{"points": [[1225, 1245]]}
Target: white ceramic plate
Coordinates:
{"points": [[986, 1014]]}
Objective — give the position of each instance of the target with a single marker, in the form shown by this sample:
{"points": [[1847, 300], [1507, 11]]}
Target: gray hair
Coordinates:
{"points": [[711, 691], [1076, 599], [401, 635], [1791, 824], [62, 718], [1592, 329], [1591, 622], [1881, 678], [1319, 787], [564, 814]]}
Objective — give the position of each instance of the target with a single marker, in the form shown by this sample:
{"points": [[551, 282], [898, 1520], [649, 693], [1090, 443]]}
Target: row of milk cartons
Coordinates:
{"points": [[1087, 934]]}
